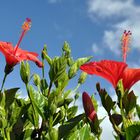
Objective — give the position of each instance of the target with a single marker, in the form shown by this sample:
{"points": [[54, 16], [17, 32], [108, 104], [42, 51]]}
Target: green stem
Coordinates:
{"points": [[43, 71], [49, 90], [8, 135], [122, 113], [55, 118], [5, 75], [31, 101], [50, 122], [76, 88]]}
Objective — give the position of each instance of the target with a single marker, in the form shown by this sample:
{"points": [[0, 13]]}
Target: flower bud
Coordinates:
{"points": [[82, 78], [91, 114], [98, 87], [36, 79], [66, 49], [88, 107], [25, 72], [44, 50], [72, 71]]}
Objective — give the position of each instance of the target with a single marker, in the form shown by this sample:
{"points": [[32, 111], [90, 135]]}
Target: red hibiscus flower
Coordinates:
{"points": [[14, 55], [88, 107], [113, 71], [110, 70]]}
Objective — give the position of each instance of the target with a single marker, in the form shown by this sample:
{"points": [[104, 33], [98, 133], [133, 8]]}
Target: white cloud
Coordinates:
{"points": [[111, 39], [96, 49], [110, 8], [106, 126], [118, 15]]}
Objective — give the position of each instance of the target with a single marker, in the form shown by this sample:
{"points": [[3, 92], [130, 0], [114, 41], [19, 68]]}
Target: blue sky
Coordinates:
{"points": [[92, 28]]}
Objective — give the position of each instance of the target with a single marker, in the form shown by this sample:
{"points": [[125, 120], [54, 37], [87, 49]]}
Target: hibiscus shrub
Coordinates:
{"points": [[49, 111]]}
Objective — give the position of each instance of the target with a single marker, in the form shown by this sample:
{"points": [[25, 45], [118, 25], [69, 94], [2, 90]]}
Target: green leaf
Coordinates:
{"points": [[19, 121], [33, 113], [27, 134], [138, 110], [72, 111], [117, 118], [129, 101], [62, 82], [38, 101], [43, 84], [133, 131], [59, 116], [94, 101], [75, 67], [68, 100], [106, 100], [67, 93], [53, 134], [60, 101], [74, 135], [10, 96], [85, 133], [66, 128], [48, 59], [57, 68], [81, 61]]}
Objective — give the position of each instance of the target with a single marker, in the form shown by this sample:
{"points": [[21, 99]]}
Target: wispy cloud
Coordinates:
{"points": [[118, 15], [111, 8], [96, 49]]}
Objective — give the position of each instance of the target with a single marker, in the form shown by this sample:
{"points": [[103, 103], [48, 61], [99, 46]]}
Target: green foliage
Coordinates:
{"points": [[129, 101], [138, 110], [65, 129], [106, 100], [76, 65], [49, 111], [133, 131]]}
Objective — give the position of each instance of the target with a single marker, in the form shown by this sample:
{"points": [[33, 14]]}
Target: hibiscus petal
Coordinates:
{"points": [[25, 55], [6, 48], [110, 70], [130, 77]]}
